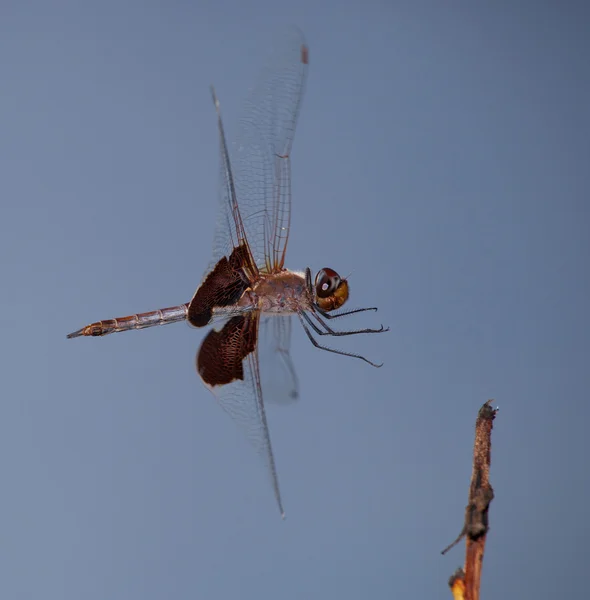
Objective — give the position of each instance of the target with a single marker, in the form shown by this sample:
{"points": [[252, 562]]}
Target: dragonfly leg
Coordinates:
{"points": [[317, 345]]}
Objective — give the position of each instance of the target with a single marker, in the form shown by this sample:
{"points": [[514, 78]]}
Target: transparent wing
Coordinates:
{"points": [[229, 355], [278, 375], [255, 171]]}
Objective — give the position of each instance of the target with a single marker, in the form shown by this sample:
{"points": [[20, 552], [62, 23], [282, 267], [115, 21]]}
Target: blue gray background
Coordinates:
{"points": [[442, 156]]}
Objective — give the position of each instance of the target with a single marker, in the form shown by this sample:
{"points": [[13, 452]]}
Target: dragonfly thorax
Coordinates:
{"points": [[284, 292]]}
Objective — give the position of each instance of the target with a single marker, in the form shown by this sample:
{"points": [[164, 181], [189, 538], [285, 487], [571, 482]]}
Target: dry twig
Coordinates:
{"points": [[464, 583]]}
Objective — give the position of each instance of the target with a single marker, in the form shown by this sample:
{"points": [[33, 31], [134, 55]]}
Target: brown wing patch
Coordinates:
{"points": [[223, 286], [222, 353]]}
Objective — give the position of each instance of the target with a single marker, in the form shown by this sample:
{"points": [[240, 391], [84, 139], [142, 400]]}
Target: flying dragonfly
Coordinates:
{"points": [[247, 292]]}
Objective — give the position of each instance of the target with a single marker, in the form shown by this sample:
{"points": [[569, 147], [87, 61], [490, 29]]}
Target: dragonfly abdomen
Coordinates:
{"points": [[163, 316]]}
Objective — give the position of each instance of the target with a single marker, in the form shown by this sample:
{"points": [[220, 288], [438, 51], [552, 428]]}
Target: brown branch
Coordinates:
{"points": [[464, 583]]}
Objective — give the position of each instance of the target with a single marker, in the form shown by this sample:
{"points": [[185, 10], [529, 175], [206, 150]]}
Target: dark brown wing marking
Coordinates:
{"points": [[223, 286], [222, 353]]}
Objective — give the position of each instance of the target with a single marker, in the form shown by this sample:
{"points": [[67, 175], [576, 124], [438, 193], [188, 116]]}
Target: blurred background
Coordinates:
{"points": [[441, 156]]}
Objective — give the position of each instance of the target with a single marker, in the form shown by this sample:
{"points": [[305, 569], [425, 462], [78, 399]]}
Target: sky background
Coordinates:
{"points": [[442, 156]]}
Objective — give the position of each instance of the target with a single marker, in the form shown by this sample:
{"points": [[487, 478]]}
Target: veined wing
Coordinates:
{"points": [[277, 372], [255, 190], [228, 364]]}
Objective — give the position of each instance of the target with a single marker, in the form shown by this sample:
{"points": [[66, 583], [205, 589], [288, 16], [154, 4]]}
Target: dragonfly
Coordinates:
{"points": [[247, 295]]}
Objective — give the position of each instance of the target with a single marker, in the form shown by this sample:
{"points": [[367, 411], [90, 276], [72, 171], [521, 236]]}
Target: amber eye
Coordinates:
{"points": [[331, 290], [326, 282]]}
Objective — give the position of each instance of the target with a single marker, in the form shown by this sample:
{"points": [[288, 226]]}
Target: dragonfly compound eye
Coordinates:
{"points": [[331, 291], [326, 282]]}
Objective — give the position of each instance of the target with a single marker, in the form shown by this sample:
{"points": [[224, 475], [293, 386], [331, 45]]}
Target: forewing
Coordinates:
{"points": [[227, 362], [255, 170]]}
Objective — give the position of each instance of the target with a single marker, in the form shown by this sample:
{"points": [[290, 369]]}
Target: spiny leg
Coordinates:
{"points": [[317, 345], [344, 313], [330, 331]]}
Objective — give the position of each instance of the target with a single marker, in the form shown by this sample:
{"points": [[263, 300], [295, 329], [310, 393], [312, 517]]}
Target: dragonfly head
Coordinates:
{"points": [[331, 291]]}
